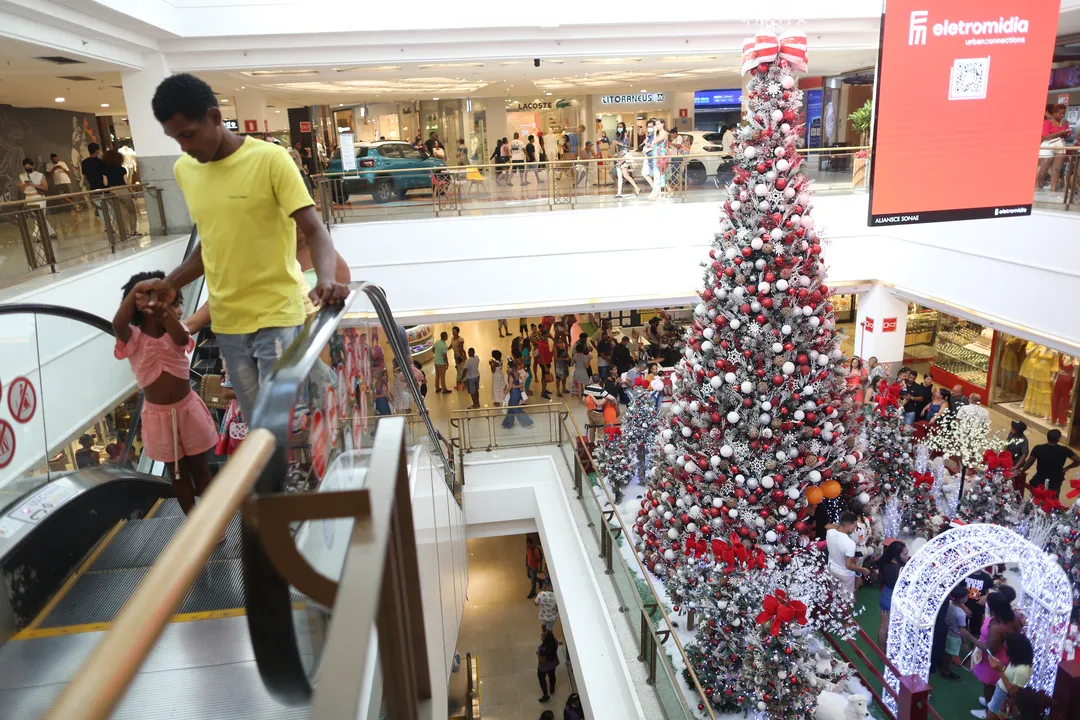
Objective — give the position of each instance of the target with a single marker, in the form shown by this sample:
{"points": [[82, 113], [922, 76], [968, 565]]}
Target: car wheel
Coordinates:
{"points": [[383, 192], [696, 174]]}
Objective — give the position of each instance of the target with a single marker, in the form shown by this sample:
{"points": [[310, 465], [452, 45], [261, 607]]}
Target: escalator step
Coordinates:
{"points": [[137, 544], [169, 508], [96, 597], [221, 586]]}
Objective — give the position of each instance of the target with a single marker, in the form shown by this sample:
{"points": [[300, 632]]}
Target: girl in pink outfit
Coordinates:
{"points": [[1000, 621], [176, 426]]}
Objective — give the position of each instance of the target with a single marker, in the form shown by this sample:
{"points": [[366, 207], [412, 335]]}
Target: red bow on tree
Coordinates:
{"points": [[922, 478], [765, 48], [1045, 498], [780, 610], [734, 553], [695, 547], [1075, 485], [998, 461], [887, 398], [613, 431]]}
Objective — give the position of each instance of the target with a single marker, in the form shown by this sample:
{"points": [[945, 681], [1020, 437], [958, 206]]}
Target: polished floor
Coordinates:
{"points": [[501, 627]]}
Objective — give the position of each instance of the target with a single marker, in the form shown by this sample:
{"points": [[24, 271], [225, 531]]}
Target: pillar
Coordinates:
{"points": [[251, 113], [880, 326], [496, 125], [156, 151]]}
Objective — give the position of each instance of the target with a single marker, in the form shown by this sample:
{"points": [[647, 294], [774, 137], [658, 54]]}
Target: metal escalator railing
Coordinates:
{"points": [[268, 555]]}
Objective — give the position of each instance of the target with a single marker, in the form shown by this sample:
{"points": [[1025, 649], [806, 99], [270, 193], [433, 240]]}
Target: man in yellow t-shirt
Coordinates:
{"points": [[247, 199]]}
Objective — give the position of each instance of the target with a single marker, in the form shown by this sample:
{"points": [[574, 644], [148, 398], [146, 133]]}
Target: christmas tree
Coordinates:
{"points": [[964, 437], [639, 427], [888, 456], [918, 507], [991, 496], [1064, 542], [758, 414], [613, 463]]}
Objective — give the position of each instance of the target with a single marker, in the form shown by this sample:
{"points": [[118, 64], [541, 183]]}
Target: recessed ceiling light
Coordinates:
{"points": [[264, 73], [104, 104], [278, 112], [59, 99], [434, 98], [547, 93], [687, 58], [432, 66], [243, 87]]}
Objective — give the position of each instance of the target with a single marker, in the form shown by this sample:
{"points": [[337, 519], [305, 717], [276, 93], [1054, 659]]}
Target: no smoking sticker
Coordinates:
{"points": [[7, 444], [22, 400]]}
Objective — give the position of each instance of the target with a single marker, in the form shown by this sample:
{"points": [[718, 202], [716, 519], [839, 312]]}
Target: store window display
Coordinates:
{"points": [[962, 353], [1035, 384]]}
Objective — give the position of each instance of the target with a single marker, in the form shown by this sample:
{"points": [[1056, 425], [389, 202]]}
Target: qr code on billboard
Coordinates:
{"points": [[968, 78]]}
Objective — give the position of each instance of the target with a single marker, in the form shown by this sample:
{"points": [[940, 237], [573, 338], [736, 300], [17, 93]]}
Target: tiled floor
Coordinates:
{"points": [[501, 628]]}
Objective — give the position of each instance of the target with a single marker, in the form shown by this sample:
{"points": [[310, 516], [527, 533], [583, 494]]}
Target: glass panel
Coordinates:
{"points": [[46, 399]]}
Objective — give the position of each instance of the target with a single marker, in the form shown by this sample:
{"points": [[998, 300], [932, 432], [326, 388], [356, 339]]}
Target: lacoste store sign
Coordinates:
{"points": [[534, 106], [626, 99]]}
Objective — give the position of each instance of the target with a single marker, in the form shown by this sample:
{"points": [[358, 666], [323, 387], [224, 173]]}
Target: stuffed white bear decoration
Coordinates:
{"points": [[833, 706], [823, 665]]}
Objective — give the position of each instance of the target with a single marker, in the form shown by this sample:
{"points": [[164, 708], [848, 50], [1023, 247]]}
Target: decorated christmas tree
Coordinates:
{"points": [[991, 497], [613, 463], [889, 451], [1064, 542], [639, 427], [758, 416], [916, 492], [963, 437]]}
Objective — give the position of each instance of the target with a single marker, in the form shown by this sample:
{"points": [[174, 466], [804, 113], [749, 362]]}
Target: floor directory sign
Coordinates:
{"points": [[959, 106]]}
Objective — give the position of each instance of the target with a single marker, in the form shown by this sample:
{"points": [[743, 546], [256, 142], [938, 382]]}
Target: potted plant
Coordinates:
{"points": [[860, 122]]}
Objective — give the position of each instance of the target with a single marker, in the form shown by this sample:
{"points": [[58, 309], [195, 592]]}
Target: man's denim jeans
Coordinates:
{"points": [[250, 358]]}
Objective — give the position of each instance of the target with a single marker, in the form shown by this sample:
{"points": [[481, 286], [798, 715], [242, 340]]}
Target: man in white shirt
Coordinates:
{"points": [[33, 186], [974, 409], [60, 174], [517, 158], [842, 561], [549, 607]]}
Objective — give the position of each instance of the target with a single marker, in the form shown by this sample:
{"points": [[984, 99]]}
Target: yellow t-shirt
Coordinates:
{"points": [[242, 205]]}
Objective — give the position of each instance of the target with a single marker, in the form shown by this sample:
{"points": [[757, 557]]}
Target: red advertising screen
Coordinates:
{"points": [[959, 106]]}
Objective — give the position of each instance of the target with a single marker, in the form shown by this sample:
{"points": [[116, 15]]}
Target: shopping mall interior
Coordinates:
{"points": [[610, 416]]}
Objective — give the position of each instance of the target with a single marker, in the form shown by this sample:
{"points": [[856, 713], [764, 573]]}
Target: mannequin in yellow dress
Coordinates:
{"points": [[1012, 357], [1039, 367]]}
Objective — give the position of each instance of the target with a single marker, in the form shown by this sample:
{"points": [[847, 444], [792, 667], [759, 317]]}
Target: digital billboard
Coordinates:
{"points": [[958, 108]]}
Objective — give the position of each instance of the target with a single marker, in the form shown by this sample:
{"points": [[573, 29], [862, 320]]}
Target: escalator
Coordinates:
{"points": [[243, 642]]}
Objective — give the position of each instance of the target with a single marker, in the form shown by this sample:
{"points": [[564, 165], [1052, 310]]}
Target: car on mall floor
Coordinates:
{"points": [[374, 163]]}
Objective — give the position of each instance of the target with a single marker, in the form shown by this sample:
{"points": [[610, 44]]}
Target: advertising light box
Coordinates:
{"points": [[958, 108]]}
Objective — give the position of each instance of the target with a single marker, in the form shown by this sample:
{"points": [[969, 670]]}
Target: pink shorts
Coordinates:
{"points": [[195, 429]]}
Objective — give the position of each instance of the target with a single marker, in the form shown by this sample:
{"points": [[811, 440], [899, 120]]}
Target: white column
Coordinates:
{"points": [[251, 113], [880, 326], [156, 151]]}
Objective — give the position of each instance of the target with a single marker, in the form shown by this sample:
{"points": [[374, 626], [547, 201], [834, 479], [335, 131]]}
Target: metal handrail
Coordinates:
{"points": [[82, 194], [566, 163], [105, 675]]}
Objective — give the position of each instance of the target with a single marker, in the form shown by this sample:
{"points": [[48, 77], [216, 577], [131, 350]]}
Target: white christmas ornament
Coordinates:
{"points": [[733, 417], [782, 166], [736, 206], [687, 432], [747, 387], [715, 381], [726, 451], [761, 189], [735, 324], [776, 233], [750, 152], [729, 377], [770, 537], [793, 493], [815, 321], [788, 368], [777, 347], [777, 115], [781, 285], [787, 82], [786, 329], [756, 243]]}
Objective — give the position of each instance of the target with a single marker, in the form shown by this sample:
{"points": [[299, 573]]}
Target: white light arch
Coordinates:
{"points": [[1045, 597]]}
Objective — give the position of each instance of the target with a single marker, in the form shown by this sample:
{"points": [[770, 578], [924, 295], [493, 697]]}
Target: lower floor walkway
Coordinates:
{"points": [[501, 628]]}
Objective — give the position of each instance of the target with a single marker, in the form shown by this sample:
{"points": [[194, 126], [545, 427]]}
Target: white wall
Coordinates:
{"points": [[505, 265], [527, 490], [70, 365]]}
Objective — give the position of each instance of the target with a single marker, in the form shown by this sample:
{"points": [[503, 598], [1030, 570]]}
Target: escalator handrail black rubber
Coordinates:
{"points": [[87, 318], [267, 595]]}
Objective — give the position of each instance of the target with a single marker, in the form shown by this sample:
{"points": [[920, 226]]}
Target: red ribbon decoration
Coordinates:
{"points": [[887, 398], [998, 461], [922, 478], [1045, 498], [777, 608], [1075, 485], [735, 553], [696, 547], [765, 48]]}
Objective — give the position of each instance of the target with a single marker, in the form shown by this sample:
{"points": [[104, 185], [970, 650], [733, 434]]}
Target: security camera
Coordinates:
{"points": [[536, 62]]}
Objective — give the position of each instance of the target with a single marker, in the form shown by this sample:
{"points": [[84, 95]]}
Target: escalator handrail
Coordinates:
{"points": [[87, 318], [267, 594]]}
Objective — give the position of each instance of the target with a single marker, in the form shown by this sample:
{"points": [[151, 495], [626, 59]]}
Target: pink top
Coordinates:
{"points": [[150, 357], [1049, 126], [986, 674]]}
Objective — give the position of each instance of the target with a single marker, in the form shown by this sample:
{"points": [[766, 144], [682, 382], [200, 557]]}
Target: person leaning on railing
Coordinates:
{"points": [[1052, 150], [33, 186], [116, 181]]}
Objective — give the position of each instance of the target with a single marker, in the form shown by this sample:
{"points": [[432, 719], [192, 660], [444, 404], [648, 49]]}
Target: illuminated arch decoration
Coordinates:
{"points": [[1045, 597]]}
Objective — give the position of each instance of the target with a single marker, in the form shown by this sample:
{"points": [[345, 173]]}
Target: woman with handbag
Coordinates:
{"points": [[514, 381], [1052, 150], [547, 659]]}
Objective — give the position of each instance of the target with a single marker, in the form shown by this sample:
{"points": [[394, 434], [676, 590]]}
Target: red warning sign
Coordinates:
{"points": [[869, 325], [888, 325], [320, 443], [7, 444], [22, 400]]}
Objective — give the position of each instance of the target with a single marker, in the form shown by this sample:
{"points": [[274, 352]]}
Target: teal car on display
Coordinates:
{"points": [[374, 163]]}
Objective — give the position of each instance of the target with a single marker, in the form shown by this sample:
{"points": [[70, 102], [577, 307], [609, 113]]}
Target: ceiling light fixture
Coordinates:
{"points": [[610, 61], [224, 99], [432, 66], [434, 98], [59, 99], [266, 73], [104, 104], [687, 58]]}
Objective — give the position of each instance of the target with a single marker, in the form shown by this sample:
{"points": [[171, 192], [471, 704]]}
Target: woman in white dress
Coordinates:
{"points": [[402, 396], [498, 379]]}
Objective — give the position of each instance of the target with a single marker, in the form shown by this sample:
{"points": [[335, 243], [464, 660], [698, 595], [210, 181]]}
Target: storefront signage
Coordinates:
{"points": [[813, 118], [230, 124], [348, 151], [868, 326], [305, 127], [534, 106], [888, 325], [955, 61], [629, 99], [718, 98]]}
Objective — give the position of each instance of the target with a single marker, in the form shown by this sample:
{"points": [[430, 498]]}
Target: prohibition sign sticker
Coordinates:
{"points": [[7, 444], [22, 400]]}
